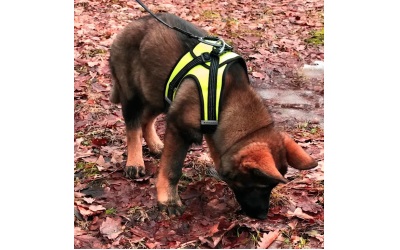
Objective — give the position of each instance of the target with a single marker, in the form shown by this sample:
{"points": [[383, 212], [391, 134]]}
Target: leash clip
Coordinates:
{"points": [[219, 44]]}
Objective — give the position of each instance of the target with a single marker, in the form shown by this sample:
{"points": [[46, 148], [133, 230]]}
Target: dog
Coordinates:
{"points": [[250, 154]]}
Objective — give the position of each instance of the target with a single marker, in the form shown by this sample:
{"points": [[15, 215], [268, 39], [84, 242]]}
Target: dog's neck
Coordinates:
{"points": [[239, 100]]}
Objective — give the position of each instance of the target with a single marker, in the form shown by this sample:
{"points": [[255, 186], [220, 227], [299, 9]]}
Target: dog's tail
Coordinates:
{"points": [[114, 96]]}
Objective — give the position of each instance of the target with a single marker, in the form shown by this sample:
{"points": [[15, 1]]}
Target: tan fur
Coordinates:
{"points": [[150, 136], [296, 156], [134, 141], [258, 156]]}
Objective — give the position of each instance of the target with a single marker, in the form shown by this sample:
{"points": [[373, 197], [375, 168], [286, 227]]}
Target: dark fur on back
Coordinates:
{"points": [[187, 42], [128, 44]]}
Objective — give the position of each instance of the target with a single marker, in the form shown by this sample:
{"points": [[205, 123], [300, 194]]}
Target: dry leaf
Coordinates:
{"points": [[111, 228], [84, 212], [299, 213], [96, 208], [258, 75], [88, 200], [267, 239]]}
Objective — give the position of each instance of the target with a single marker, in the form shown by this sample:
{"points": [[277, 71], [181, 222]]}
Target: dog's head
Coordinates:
{"points": [[254, 170]]}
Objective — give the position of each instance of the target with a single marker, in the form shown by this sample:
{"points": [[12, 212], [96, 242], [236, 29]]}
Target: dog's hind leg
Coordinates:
{"points": [[132, 111], [149, 133]]}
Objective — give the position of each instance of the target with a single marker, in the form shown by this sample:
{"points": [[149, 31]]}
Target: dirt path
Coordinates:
{"points": [[114, 212]]}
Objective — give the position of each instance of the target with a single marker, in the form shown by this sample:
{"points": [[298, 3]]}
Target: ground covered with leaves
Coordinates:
{"points": [[110, 211]]}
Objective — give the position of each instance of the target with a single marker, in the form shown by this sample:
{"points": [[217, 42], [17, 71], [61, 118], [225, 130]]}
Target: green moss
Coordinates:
{"points": [[87, 169], [316, 37], [209, 14]]}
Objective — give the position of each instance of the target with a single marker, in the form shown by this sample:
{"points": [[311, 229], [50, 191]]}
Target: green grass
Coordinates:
{"points": [[306, 127], [316, 37], [111, 211]]}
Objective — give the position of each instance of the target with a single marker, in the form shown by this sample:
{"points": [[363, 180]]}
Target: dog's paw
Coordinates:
{"points": [[172, 209], [156, 149], [135, 172]]}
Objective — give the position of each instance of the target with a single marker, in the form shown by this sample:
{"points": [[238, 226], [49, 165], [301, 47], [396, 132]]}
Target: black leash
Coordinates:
{"points": [[218, 43]]}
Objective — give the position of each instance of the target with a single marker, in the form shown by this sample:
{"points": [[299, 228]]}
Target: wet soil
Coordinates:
{"points": [[294, 100]]}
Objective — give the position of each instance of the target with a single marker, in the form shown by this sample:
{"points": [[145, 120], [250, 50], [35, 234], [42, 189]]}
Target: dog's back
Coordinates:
{"points": [[143, 55]]}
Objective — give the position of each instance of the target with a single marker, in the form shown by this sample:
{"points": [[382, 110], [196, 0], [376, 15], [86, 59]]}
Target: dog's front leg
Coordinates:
{"points": [[172, 158]]}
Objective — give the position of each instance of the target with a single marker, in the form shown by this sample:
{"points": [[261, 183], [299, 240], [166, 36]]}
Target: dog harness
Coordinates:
{"points": [[207, 67]]}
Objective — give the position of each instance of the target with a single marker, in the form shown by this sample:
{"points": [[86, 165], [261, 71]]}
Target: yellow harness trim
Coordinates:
{"points": [[200, 74]]}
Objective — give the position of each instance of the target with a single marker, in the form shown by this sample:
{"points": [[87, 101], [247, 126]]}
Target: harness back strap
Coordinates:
{"points": [[206, 66]]}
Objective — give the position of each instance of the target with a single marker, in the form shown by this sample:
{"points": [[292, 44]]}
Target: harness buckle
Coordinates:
{"points": [[208, 126], [205, 57]]}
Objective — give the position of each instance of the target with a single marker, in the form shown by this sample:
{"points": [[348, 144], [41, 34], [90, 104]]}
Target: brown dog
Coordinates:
{"points": [[250, 155]]}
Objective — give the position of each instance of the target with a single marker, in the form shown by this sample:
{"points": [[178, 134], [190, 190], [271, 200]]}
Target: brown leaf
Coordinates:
{"points": [[111, 227], [95, 208], [299, 213], [151, 245], [87, 242], [78, 231], [214, 229], [88, 200], [267, 239], [117, 156], [91, 64], [293, 223], [99, 141], [256, 56], [258, 75], [84, 212], [79, 195], [316, 235], [101, 163]]}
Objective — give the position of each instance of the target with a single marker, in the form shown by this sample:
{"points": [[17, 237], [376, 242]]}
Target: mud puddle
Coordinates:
{"points": [[291, 104]]}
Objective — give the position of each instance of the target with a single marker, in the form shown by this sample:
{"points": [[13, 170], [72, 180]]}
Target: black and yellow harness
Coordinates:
{"points": [[206, 65]]}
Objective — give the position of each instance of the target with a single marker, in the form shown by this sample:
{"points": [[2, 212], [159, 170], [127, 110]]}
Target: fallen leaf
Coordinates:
{"points": [[111, 227], [96, 208], [87, 242], [91, 64], [101, 163], [99, 141], [316, 235], [256, 56], [293, 223], [258, 75], [78, 231], [117, 156], [267, 239], [299, 213], [84, 211], [88, 200]]}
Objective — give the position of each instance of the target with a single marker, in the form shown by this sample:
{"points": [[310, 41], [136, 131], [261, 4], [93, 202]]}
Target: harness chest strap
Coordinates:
{"points": [[207, 70]]}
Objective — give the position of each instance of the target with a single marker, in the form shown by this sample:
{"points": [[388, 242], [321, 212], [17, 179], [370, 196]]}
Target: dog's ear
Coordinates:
{"points": [[296, 156], [257, 156]]}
